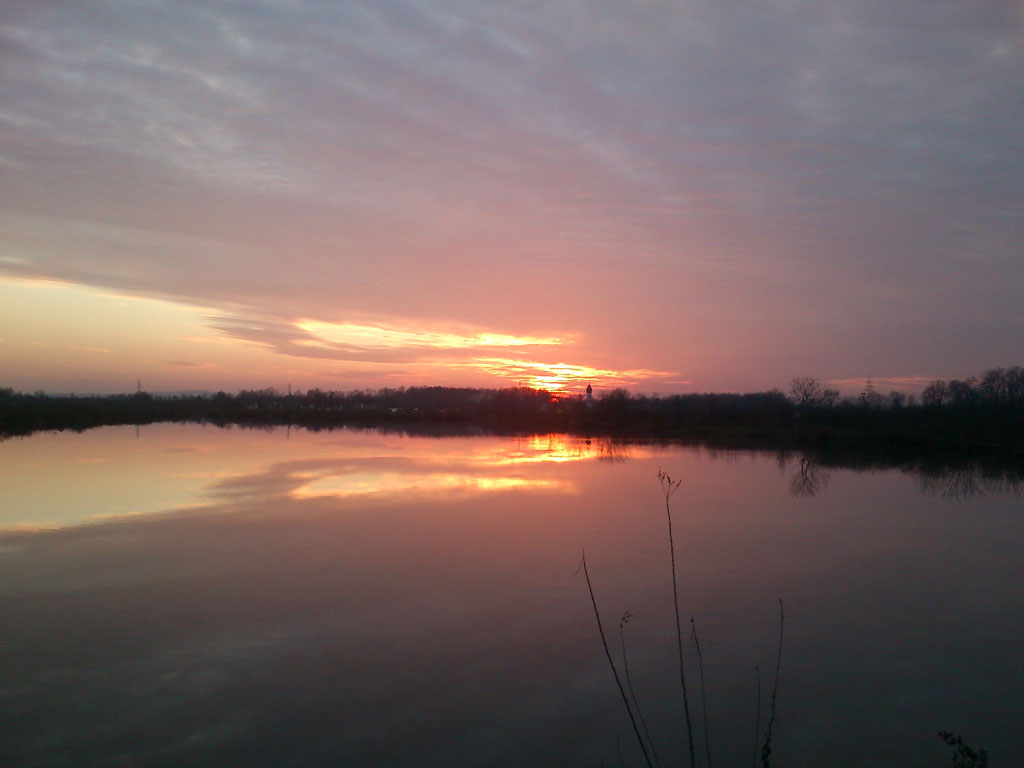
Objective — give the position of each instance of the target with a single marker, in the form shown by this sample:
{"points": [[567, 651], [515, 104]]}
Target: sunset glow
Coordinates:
{"points": [[131, 472], [385, 337], [332, 334], [650, 195], [387, 484], [557, 377]]}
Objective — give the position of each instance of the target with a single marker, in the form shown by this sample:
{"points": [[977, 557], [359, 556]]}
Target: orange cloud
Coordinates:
{"points": [[563, 376], [382, 336]]}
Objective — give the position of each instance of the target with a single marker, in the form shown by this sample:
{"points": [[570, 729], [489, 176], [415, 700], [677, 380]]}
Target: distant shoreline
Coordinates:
{"points": [[760, 420]]}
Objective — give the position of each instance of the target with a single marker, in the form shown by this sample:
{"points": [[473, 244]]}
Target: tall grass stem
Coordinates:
{"points": [[766, 750], [611, 663], [626, 618], [668, 487], [757, 722], [703, 695]]}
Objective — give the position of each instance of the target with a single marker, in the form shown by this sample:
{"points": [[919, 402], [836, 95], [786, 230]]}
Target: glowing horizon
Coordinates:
{"points": [[650, 195], [562, 376], [202, 345]]}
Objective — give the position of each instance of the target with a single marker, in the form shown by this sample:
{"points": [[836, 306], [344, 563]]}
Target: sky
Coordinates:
{"points": [[671, 196]]}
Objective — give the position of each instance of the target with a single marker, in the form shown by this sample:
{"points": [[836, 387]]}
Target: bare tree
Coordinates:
{"points": [[935, 393], [829, 397], [806, 390]]}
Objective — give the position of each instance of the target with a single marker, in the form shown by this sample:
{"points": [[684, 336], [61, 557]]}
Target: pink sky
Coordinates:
{"points": [[668, 196]]}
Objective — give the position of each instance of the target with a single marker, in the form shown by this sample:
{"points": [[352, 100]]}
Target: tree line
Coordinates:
{"points": [[996, 388], [981, 413]]}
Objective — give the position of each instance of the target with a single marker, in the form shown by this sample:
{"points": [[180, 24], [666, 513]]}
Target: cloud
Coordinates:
{"points": [[557, 376], [883, 384], [390, 349], [381, 340], [385, 336], [608, 170]]}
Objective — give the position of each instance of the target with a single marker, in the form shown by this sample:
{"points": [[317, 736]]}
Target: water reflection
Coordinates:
{"points": [[387, 600], [955, 480], [966, 482], [357, 483], [809, 480], [426, 468], [119, 471]]}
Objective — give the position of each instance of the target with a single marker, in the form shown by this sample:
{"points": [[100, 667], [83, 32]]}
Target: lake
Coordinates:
{"points": [[189, 595]]}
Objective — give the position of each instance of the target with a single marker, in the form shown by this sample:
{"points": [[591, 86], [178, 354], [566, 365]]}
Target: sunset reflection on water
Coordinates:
{"points": [[358, 483], [118, 471], [240, 597]]}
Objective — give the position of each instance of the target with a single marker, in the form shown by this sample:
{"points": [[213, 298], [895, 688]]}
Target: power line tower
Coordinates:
{"points": [[869, 391]]}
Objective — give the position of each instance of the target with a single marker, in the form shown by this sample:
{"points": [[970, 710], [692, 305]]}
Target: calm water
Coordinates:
{"points": [[186, 595]]}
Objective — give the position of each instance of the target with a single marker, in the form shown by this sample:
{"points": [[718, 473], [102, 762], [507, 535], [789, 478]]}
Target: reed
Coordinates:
{"points": [[611, 663], [964, 756], [757, 723], [626, 618], [703, 694], [766, 750], [630, 700], [669, 487]]}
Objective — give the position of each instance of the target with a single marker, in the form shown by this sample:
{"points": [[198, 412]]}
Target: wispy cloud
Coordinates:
{"points": [[383, 341], [883, 384], [426, 351], [777, 186], [385, 336]]}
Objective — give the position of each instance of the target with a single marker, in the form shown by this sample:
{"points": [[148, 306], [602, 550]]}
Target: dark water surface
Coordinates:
{"points": [[195, 596]]}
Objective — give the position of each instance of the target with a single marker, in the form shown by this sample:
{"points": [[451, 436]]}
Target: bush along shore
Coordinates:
{"points": [[981, 416]]}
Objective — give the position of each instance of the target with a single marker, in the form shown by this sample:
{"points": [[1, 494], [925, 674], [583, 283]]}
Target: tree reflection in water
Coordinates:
{"points": [[969, 481], [809, 480], [943, 476]]}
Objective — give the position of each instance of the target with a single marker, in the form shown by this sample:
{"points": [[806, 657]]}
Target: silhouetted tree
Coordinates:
{"points": [[806, 390], [963, 392], [829, 397], [936, 393], [1002, 387]]}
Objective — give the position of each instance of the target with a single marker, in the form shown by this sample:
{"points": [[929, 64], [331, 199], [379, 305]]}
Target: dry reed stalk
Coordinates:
{"points": [[668, 487], [611, 663], [626, 618], [766, 750], [703, 695], [757, 724]]}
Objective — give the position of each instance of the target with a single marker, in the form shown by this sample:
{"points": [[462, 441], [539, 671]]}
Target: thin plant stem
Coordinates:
{"points": [[668, 487], [626, 618], [766, 750], [757, 724], [611, 663], [703, 695]]}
